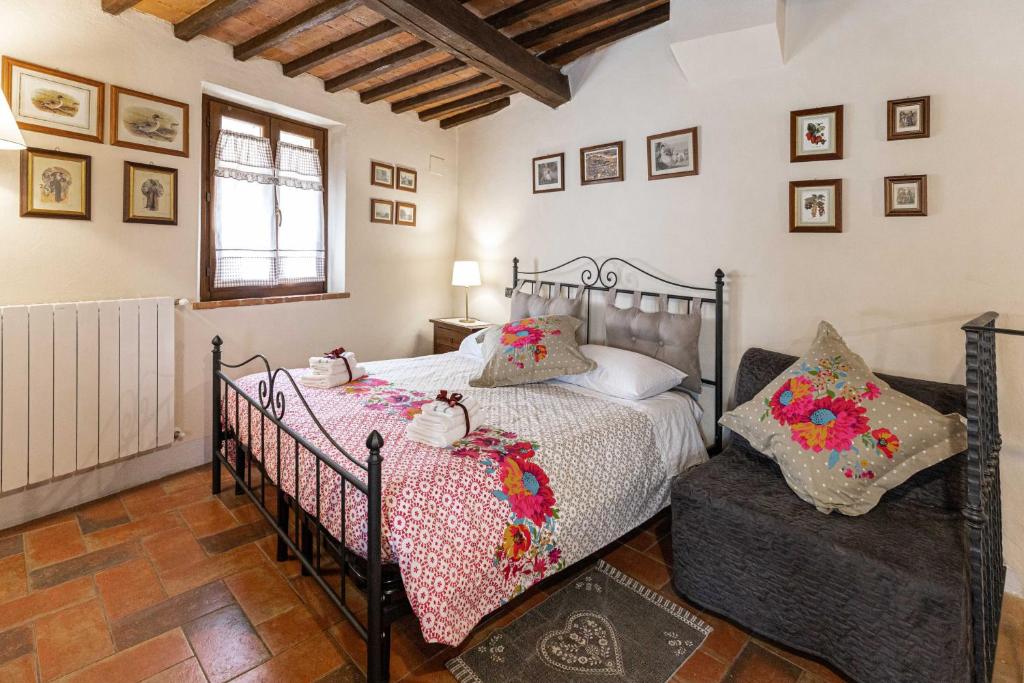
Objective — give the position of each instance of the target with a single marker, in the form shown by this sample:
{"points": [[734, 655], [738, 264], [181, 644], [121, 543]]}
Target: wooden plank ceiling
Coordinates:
{"points": [[450, 60]]}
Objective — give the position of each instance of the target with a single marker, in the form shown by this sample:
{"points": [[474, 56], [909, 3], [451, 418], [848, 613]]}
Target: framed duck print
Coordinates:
{"points": [[672, 155], [148, 122], [909, 118], [382, 211], [382, 175], [816, 134], [816, 206], [549, 173], [150, 194], [405, 214], [906, 195], [602, 164], [54, 102], [405, 179], [56, 184]]}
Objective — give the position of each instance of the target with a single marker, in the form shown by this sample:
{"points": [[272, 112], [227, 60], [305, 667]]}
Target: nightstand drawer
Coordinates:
{"points": [[449, 333], [448, 337]]}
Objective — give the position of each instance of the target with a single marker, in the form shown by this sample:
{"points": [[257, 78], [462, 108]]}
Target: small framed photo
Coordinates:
{"points": [[56, 184], [672, 155], [150, 194], [148, 122], [909, 118], [405, 214], [382, 175], [816, 134], [54, 102], [906, 195], [382, 211], [602, 164], [816, 206], [406, 179], [549, 173]]}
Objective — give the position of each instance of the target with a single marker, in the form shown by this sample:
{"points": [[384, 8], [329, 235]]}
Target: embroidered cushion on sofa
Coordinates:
{"points": [[531, 350]]}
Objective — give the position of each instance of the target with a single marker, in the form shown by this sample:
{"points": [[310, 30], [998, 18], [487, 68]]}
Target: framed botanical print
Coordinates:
{"points": [[56, 184], [816, 206], [909, 118], [406, 179], [382, 175], [150, 194], [405, 214], [906, 195], [382, 211], [816, 134], [148, 122], [549, 173], [48, 101], [672, 155], [602, 164]]}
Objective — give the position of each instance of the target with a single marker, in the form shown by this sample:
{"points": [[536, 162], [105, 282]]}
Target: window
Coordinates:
{"points": [[265, 215]]}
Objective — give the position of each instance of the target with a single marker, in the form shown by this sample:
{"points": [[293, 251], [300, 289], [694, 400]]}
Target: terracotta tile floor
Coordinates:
{"points": [[166, 582]]}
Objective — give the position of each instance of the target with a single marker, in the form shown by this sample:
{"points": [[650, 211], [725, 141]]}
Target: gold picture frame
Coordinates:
{"points": [[45, 100], [56, 184], [148, 122], [150, 194]]}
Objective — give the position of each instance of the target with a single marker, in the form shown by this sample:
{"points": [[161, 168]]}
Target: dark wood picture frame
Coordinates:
{"points": [[26, 181], [398, 214], [399, 170], [374, 165], [561, 173], [795, 133], [115, 110], [621, 176], [373, 213], [127, 216], [925, 103], [891, 209], [7, 65], [692, 132], [837, 194]]}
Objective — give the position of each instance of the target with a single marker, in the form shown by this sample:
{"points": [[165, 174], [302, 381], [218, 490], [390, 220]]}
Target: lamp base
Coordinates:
{"points": [[467, 320]]}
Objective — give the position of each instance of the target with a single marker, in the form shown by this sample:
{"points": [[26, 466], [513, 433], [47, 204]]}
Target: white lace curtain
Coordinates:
{"points": [[269, 216]]}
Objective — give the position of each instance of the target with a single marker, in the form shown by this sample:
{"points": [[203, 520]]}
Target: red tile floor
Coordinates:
{"points": [[166, 582]]}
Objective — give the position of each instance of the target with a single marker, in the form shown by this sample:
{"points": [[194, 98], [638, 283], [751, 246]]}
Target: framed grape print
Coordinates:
{"points": [[405, 214], [672, 155], [906, 195], [382, 211], [56, 184], [382, 175], [54, 102], [405, 179], [549, 173], [816, 134], [150, 194], [148, 122], [909, 118], [816, 206]]}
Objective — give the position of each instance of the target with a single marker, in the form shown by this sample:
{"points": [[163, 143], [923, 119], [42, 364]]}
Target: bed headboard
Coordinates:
{"points": [[604, 276]]}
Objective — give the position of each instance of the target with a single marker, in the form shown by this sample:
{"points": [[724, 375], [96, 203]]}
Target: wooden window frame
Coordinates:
{"points": [[273, 125]]}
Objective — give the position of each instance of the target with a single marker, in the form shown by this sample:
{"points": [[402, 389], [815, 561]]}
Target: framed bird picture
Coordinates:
{"points": [[148, 122], [54, 102]]}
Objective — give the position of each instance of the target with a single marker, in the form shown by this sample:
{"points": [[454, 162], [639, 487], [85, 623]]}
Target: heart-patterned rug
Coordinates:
{"points": [[603, 626]]}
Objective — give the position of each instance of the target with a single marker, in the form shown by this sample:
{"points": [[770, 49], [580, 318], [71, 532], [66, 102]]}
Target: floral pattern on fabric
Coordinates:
{"points": [[380, 395], [522, 341]]}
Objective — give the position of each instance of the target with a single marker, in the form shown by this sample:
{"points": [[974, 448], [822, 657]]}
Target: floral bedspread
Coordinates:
{"points": [[550, 476]]}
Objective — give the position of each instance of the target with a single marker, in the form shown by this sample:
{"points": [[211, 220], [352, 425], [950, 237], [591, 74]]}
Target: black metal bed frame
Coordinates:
{"points": [[301, 533]]}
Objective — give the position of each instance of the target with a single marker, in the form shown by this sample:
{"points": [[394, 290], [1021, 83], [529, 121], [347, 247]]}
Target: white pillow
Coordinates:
{"points": [[473, 345], [625, 374]]}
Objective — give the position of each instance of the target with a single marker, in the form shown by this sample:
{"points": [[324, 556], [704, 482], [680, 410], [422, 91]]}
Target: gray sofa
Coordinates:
{"points": [[880, 597]]}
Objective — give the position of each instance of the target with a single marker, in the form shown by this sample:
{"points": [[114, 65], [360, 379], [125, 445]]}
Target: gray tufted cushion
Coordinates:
{"points": [[536, 305]]}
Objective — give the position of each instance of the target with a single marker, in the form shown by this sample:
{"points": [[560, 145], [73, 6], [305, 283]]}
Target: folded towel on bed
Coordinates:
{"points": [[443, 408], [322, 365], [334, 379], [438, 439], [445, 420]]}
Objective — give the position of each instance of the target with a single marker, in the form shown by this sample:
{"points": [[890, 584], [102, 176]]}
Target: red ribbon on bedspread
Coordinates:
{"points": [[454, 400], [335, 354]]}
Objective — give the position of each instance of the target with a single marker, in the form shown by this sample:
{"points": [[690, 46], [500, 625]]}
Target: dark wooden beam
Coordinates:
{"points": [[579, 21], [474, 114], [299, 23], [404, 83], [209, 16], [433, 96], [519, 12], [451, 27], [370, 34], [118, 6], [574, 49], [378, 67], [482, 97]]}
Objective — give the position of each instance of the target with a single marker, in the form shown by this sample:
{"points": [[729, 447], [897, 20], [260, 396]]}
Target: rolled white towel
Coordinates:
{"points": [[333, 380]]}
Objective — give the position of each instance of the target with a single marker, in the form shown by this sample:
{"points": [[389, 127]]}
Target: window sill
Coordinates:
{"points": [[262, 301]]}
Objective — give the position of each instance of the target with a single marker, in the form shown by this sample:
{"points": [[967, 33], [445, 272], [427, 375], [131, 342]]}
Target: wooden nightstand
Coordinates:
{"points": [[449, 332]]}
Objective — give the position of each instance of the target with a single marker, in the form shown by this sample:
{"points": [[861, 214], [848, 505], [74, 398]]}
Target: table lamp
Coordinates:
{"points": [[10, 136], [466, 274]]}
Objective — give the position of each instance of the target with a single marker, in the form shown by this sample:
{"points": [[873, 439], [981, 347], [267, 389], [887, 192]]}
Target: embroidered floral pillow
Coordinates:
{"points": [[531, 350], [841, 436]]}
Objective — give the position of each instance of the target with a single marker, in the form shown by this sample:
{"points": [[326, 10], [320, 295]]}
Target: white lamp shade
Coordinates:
{"points": [[466, 274], [10, 136]]}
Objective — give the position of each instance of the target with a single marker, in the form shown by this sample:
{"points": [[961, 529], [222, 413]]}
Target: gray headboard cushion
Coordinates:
{"points": [[535, 305]]}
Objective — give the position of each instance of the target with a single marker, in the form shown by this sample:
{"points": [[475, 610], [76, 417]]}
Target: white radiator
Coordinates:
{"points": [[83, 384]]}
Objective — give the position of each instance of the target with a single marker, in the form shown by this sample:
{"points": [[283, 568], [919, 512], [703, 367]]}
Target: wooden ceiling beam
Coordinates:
{"points": [[574, 49], [118, 6], [482, 97], [519, 12], [451, 27], [413, 80], [370, 34], [474, 114], [440, 94], [299, 23], [209, 16], [378, 67], [579, 21]]}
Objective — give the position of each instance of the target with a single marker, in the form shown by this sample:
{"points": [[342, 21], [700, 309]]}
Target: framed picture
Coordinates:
{"points": [[672, 155], [549, 173], [150, 194], [906, 195], [56, 184], [382, 211], [816, 134], [405, 214], [382, 175], [49, 101], [406, 179], [148, 122], [816, 206], [909, 118], [602, 164]]}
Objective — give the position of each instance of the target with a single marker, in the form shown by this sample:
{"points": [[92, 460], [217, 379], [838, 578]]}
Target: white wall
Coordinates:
{"points": [[897, 288]]}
